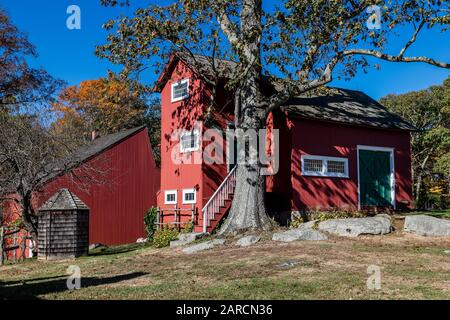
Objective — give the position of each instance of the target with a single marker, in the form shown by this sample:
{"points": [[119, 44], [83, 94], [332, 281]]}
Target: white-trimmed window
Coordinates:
{"points": [[189, 196], [170, 197], [324, 166], [189, 141], [180, 90]]}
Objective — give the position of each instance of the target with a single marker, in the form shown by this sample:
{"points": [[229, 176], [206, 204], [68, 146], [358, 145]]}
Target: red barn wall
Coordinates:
{"points": [[10, 210], [279, 185], [337, 140], [215, 173], [10, 213], [128, 189], [182, 115]]}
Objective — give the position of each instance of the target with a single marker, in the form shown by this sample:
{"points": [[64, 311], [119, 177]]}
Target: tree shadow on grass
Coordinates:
{"points": [[104, 251], [32, 288]]}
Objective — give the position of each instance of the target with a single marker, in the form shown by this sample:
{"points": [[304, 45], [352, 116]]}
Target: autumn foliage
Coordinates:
{"points": [[105, 105]]}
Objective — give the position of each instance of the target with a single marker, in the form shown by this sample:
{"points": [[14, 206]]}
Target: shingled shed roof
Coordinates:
{"points": [[64, 200], [345, 106]]}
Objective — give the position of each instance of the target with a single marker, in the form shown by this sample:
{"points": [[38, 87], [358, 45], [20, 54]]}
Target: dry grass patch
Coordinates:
{"points": [[412, 268]]}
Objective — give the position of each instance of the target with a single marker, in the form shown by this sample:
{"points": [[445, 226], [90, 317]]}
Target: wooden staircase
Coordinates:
{"points": [[218, 205]]}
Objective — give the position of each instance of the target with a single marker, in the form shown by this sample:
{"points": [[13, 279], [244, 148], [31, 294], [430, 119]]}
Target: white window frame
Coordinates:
{"points": [[182, 81], [189, 191], [197, 143], [166, 193], [324, 172]]}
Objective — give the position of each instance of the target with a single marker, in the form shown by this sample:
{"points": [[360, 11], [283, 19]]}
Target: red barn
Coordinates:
{"points": [[341, 149], [125, 189]]}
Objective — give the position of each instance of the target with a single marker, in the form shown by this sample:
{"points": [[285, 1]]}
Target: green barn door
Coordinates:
{"points": [[375, 178]]}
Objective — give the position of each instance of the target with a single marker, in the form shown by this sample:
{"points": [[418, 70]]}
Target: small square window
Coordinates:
{"points": [[189, 141], [170, 197], [180, 90], [189, 196], [313, 165], [337, 167]]}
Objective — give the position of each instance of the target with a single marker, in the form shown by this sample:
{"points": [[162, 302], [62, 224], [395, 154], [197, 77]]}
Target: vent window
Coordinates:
{"points": [[324, 166]]}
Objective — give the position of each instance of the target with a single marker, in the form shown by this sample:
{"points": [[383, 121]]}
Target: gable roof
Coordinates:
{"points": [[195, 61], [345, 106], [84, 153], [337, 105], [102, 143], [63, 200]]}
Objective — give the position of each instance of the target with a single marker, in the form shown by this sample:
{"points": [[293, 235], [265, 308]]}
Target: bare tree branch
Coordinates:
{"points": [[391, 58], [413, 39], [228, 28]]}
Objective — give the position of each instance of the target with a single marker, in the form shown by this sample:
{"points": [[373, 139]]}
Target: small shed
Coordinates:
{"points": [[63, 227]]}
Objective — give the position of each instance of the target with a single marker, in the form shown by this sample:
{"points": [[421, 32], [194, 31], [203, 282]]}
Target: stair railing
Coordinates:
{"points": [[217, 200]]}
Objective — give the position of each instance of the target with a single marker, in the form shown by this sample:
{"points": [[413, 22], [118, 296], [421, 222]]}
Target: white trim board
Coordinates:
{"points": [[392, 165]]}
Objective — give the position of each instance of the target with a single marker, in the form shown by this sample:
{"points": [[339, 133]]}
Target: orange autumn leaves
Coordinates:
{"points": [[105, 105]]}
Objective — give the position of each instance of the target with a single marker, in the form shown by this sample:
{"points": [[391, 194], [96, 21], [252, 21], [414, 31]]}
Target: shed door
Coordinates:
{"points": [[375, 185]]}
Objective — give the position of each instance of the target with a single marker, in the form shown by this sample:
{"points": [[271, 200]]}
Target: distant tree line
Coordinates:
{"points": [[42, 121], [429, 111], [106, 105]]}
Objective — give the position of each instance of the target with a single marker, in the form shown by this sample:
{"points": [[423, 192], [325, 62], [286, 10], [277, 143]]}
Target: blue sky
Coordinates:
{"points": [[69, 54]]}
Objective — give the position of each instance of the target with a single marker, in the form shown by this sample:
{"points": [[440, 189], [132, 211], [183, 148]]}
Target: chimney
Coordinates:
{"points": [[94, 135]]}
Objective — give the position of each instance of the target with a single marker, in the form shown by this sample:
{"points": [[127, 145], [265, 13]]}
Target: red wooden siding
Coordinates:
{"points": [[11, 212], [288, 189], [182, 115], [119, 199], [117, 207], [310, 137]]}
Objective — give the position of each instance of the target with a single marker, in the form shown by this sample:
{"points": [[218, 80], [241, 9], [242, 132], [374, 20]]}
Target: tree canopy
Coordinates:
{"points": [[21, 85], [429, 111], [295, 46], [105, 105], [299, 42], [30, 153]]}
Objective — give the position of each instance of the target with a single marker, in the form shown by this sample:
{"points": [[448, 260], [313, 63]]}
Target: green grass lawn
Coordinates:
{"points": [[444, 213], [412, 267]]}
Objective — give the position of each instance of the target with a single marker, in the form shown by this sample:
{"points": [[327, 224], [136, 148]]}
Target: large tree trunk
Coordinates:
{"points": [[248, 210]]}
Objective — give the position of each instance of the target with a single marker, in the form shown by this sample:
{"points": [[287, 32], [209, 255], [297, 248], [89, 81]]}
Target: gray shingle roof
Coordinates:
{"points": [[64, 200], [102, 143], [202, 64], [339, 105], [224, 67], [345, 106], [86, 152]]}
